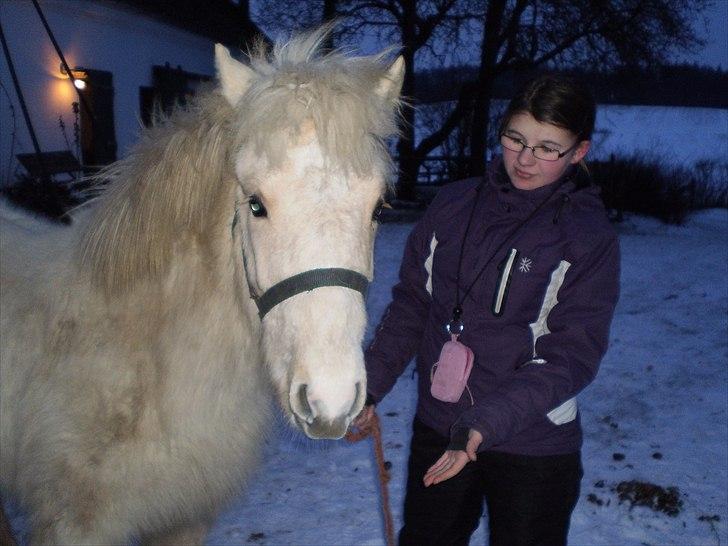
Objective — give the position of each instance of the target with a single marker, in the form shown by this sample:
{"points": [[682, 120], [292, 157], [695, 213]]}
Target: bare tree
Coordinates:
{"points": [[285, 17], [526, 34], [508, 35]]}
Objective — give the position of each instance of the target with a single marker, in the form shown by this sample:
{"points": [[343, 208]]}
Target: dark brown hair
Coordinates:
{"points": [[558, 100]]}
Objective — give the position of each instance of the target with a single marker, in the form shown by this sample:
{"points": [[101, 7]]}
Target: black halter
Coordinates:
{"points": [[303, 282], [307, 281]]}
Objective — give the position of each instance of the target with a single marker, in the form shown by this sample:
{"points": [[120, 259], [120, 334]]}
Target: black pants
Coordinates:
{"points": [[529, 499]]}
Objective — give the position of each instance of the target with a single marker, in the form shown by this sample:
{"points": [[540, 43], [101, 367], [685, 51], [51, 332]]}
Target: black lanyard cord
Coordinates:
{"points": [[457, 311], [455, 326]]}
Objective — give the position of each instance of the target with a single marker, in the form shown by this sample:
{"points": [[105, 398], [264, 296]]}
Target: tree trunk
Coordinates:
{"points": [[409, 163], [481, 122], [486, 74], [328, 14], [244, 9]]}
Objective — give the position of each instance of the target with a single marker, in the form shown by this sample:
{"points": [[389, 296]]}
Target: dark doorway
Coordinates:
{"points": [[171, 87], [98, 136]]}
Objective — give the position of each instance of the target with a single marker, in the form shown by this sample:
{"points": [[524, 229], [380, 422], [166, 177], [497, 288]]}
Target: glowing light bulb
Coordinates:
{"points": [[79, 84]]}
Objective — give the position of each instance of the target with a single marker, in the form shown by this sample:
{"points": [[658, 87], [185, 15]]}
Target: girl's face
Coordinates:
{"points": [[526, 171]]}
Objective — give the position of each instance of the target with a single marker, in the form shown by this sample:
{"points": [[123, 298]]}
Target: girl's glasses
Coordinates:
{"points": [[542, 152]]}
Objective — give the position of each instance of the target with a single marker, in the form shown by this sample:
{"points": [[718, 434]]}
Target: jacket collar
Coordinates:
{"points": [[513, 198]]}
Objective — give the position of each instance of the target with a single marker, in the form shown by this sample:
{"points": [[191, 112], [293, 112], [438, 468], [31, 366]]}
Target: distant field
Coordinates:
{"points": [[677, 135], [683, 137]]}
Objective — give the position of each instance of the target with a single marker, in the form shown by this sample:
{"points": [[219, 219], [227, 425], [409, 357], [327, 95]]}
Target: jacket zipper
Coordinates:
{"points": [[505, 281]]}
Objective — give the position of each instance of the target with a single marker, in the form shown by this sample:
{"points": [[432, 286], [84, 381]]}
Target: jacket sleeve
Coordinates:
{"points": [[399, 333], [568, 352]]}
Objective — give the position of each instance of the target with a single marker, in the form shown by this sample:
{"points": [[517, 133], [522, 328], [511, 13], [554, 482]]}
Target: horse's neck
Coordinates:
{"points": [[204, 315]]}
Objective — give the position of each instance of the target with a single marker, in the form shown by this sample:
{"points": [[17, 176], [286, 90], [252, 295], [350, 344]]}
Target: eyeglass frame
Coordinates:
{"points": [[533, 148]]}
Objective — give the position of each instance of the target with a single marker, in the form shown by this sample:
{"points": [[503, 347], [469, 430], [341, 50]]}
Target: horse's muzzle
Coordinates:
{"points": [[317, 426]]}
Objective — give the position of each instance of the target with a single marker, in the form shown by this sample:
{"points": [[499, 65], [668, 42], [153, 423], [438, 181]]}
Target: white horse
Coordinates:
{"points": [[139, 345]]}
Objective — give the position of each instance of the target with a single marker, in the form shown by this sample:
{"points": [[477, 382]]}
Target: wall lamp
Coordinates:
{"points": [[78, 75]]}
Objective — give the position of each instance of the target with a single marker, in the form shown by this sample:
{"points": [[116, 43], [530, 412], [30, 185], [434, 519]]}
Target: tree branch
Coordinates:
{"points": [[456, 115]]}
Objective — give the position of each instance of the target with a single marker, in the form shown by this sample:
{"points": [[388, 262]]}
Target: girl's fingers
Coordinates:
{"points": [[440, 463], [449, 472], [440, 466], [445, 468]]}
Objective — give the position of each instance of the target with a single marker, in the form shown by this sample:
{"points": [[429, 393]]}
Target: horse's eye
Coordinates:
{"points": [[377, 213], [378, 210], [256, 207]]}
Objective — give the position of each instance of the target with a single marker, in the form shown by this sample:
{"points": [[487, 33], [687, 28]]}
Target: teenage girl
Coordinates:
{"points": [[521, 267]]}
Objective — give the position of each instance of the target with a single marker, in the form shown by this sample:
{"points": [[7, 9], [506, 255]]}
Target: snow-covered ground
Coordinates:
{"points": [[656, 414], [670, 134]]}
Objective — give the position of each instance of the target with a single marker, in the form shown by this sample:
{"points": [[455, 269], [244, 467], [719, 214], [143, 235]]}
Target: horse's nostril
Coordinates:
{"points": [[305, 412]]}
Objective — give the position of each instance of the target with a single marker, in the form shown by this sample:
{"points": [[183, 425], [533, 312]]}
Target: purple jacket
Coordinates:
{"points": [[537, 318]]}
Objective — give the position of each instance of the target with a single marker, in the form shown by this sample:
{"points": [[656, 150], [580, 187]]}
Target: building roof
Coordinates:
{"points": [[219, 20]]}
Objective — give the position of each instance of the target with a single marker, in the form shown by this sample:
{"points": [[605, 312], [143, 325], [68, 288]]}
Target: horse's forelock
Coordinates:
{"points": [[298, 82]]}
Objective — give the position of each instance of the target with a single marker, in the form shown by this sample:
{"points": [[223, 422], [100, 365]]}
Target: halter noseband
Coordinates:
{"points": [[307, 281]]}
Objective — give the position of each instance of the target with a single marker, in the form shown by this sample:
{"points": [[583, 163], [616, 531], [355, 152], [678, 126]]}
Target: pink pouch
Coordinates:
{"points": [[449, 375]]}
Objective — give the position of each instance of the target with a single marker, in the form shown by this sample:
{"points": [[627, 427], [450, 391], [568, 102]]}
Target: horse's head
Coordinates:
{"points": [[311, 168]]}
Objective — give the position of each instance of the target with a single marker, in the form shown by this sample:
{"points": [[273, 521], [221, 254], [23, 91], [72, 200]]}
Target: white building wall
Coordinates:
{"points": [[101, 35]]}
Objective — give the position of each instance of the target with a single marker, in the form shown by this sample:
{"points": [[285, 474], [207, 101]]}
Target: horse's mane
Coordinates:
{"points": [[174, 182], [165, 189]]}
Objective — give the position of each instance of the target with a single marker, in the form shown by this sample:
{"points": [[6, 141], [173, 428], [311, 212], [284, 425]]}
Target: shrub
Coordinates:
{"points": [[646, 186], [42, 196]]}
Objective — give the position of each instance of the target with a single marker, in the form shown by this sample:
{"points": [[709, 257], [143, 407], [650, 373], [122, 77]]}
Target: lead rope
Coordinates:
{"points": [[375, 431]]}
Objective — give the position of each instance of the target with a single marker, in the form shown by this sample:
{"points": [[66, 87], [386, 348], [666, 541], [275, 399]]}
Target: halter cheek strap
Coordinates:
{"points": [[307, 281]]}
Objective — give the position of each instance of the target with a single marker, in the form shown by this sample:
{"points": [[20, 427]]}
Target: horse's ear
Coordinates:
{"points": [[233, 75], [390, 85]]}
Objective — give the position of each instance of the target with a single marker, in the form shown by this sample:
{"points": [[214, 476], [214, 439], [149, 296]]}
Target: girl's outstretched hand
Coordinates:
{"points": [[363, 421], [453, 461]]}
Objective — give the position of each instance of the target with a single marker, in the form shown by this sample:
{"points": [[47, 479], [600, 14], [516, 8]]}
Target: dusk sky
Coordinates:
{"points": [[712, 26]]}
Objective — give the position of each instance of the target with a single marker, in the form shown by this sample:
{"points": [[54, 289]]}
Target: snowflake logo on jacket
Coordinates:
{"points": [[524, 265]]}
